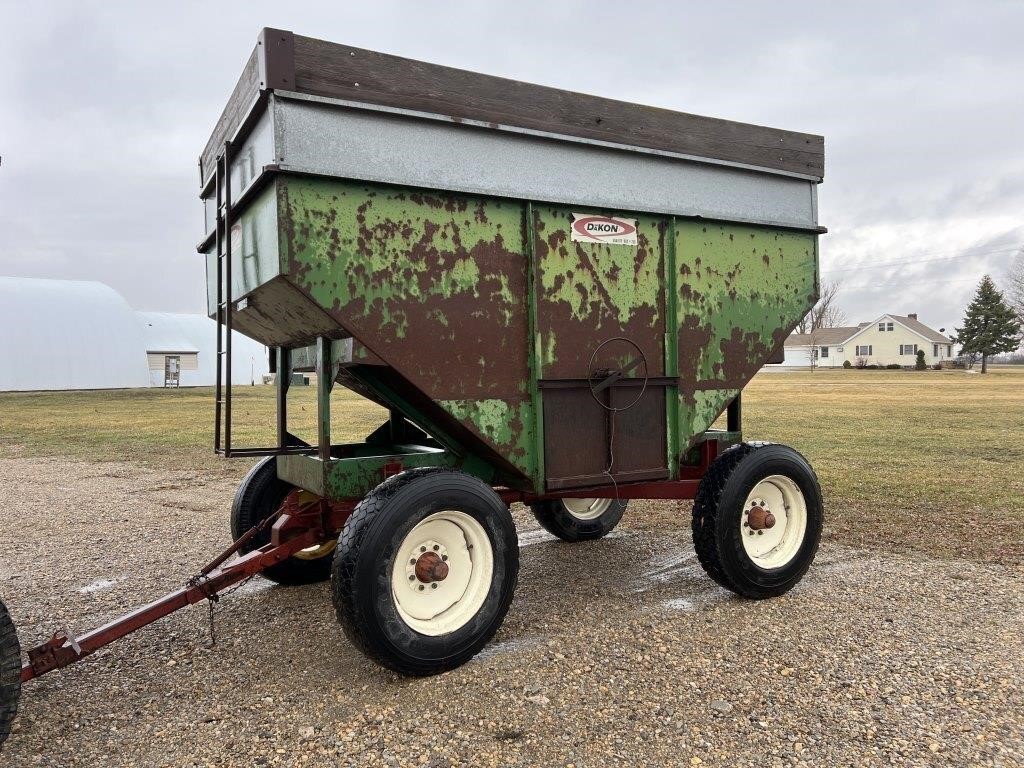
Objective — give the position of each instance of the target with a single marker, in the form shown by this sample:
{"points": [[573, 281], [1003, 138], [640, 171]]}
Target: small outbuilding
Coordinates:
{"points": [[181, 350]]}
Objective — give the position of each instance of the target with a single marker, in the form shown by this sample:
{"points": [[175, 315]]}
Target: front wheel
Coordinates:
{"points": [[579, 519], [757, 519], [10, 673], [261, 495], [425, 570]]}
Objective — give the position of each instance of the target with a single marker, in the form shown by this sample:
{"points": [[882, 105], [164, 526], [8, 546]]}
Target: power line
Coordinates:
{"points": [[915, 280], [920, 261]]}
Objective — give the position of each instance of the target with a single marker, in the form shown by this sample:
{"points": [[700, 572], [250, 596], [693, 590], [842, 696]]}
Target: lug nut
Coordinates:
{"points": [[444, 558], [433, 585], [412, 577], [412, 561], [421, 587], [436, 547], [423, 549]]}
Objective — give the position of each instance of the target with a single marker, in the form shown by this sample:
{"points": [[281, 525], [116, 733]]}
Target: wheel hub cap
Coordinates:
{"points": [[773, 522], [759, 518], [430, 568], [442, 573], [586, 509]]}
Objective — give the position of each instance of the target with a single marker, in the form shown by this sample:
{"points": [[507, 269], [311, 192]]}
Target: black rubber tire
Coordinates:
{"points": [[718, 508], [555, 518], [369, 542], [259, 496], [10, 673]]}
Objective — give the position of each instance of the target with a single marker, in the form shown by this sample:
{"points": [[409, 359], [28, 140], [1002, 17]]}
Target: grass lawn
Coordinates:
{"points": [[930, 461]]}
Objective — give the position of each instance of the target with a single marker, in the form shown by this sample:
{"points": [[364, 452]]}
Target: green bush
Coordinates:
{"points": [[920, 364], [894, 367], [871, 367], [847, 364]]}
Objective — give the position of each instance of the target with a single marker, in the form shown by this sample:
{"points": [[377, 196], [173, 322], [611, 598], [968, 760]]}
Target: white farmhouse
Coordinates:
{"points": [[891, 339]]}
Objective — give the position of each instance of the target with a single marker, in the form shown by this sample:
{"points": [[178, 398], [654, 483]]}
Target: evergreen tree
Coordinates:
{"points": [[990, 325], [920, 364]]}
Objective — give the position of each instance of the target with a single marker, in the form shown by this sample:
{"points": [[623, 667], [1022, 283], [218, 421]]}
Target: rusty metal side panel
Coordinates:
{"points": [[434, 284], [741, 290], [590, 292]]}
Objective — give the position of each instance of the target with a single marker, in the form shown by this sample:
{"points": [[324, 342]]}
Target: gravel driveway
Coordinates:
{"points": [[615, 652]]}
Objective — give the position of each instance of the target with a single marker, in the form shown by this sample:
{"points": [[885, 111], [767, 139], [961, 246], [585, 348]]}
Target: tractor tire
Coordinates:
{"points": [[757, 519], [575, 520], [258, 497], [425, 570], [10, 673]]}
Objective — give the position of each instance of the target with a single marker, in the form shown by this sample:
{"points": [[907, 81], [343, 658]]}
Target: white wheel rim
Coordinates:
{"points": [[586, 509], [437, 607], [776, 546]]}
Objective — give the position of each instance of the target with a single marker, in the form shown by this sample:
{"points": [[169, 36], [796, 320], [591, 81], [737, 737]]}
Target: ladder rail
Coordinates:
{"points": [[228, 308], [224, 309], [218, 311]]}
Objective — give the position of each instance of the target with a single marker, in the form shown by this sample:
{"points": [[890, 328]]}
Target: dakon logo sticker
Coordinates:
{"points": [[587, 228]]}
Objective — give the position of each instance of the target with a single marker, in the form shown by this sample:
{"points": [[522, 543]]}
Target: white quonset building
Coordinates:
{"points": [[71, 334]]}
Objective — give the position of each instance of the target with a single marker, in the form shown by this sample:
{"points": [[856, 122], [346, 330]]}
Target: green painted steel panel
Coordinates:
{"points": [[254, 250], [741, 290], [462, 304], [588, 293], [432, 283]]}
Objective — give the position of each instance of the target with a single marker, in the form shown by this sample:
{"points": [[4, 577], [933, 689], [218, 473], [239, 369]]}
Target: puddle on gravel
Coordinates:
{"points": [[102, 585], [539, 535], [509, 646], [536, 536], [669, 567]]}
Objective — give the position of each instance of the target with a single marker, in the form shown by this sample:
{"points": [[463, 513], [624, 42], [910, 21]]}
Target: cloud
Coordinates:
{"points": [[106, 107]]}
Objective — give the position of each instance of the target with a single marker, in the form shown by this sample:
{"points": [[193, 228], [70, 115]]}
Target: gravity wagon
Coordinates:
{"points": [[555, 297]]}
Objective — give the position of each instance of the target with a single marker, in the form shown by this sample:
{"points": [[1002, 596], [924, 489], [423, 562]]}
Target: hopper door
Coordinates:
{"points": [[600, 321]]}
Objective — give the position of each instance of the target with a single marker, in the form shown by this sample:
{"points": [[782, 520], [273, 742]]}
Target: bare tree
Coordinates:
{"points": [[824, 314]]}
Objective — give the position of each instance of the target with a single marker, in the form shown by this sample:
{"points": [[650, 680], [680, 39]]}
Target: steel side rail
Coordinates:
{"points": [[60, 652]]}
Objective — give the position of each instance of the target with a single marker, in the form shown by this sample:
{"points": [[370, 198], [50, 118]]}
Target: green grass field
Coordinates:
{"points": [[929, 461]]}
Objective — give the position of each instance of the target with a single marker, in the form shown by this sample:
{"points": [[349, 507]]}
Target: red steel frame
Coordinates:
{"points": [[297, 526]]}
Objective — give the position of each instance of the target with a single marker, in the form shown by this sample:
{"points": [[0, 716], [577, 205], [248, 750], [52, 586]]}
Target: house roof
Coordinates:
{"points": [[824, 337], [918, 327], [821, 337]]}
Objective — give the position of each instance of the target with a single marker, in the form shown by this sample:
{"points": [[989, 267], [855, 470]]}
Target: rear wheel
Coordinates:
{"points": [[757, 519], [579, 519], [259, 496], [10, 673], [425, 570]]}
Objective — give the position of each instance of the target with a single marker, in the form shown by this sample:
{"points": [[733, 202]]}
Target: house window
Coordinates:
{"points": [[864, 351], [935, 350], [949, 350], [885, 326], [888, 326], [824, 351], [881, 326], [908, 349]]}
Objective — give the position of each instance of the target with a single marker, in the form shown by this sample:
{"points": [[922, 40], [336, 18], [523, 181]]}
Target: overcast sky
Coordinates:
{"points": [[104, 108]]}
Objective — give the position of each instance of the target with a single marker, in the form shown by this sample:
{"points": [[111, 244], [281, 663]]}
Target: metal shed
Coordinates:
{"points": [[68, 334], [191, 340]]}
